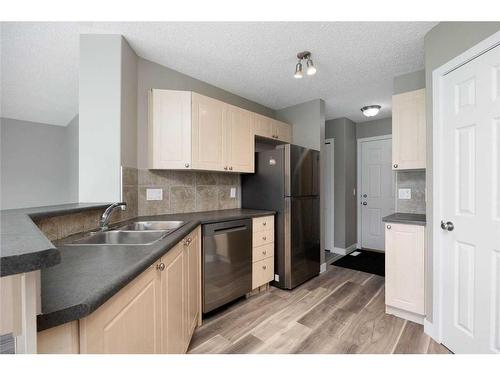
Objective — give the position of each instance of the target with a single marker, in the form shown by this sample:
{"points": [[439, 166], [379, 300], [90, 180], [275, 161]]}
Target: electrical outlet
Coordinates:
{"points": [[154, 194], [404, 193], [232, 193]]}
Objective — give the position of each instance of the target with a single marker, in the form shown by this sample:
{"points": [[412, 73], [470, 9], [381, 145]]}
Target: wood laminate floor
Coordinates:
{"points": [[340, 311]]}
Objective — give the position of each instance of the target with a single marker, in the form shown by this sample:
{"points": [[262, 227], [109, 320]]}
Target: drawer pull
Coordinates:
{"points": [[264, 223], [264, 267], [264, 238], [264, 252]]}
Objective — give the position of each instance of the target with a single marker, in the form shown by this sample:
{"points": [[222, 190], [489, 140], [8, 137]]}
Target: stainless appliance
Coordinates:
{"points": [[286, 180], [227, 262]]}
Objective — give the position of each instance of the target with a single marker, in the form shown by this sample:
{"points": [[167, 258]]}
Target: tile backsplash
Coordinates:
{"points": [[414, 180], [187, 191]]}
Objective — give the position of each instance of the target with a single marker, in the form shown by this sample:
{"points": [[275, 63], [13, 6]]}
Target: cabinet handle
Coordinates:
{"points": [[264, 252], [160, 267], [388, 227], [264, 267], [186, 165], [395, 165], [187, 241], [225, 168], [264, 238], [230, 168], [264, 223]]}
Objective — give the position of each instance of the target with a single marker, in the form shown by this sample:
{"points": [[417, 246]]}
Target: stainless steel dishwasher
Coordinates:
{"points": [[227, 262]]}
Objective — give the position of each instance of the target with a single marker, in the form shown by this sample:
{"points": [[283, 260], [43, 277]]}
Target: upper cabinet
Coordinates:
{"points": [[408, 130], [191, 131]]}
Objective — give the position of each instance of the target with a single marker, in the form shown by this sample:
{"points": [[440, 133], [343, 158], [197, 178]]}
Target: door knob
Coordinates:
{"points": [[364, 195], [395, 165], [364, 203], [447, 225], [186, 165], [389, 227]]}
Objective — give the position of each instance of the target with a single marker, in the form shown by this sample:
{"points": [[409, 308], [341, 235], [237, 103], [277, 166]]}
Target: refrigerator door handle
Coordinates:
{"points": [[287, 251]]}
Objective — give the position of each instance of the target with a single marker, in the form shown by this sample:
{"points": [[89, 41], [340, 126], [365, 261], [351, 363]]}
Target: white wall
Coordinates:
{"points": [[37, 164], [100, 118]]}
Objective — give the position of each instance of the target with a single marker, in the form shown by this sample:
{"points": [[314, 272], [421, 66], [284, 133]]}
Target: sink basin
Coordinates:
{"points": [[120, 237], [168, 226]]}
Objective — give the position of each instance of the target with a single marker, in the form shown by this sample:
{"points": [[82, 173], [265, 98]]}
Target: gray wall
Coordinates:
{"points": [[306, 121], [152, 75], [409, 82], [72, 144], [343, 131], [374, 128], [444, 42], [37, 164]]}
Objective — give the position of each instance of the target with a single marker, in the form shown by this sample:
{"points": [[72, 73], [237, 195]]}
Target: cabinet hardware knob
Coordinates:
{"points": [[264, 238], [225, 168], [230, 168], [264, 223], [365, 203], [264, 267], [264, 252], [395, 165], [389, 227], [186, 165], [160, 267]]}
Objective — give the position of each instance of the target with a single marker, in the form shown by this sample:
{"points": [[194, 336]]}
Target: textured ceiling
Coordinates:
{"points": [[356, 61]]}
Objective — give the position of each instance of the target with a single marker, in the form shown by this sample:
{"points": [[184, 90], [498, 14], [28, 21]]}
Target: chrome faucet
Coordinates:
{"points": [[106, 216]]}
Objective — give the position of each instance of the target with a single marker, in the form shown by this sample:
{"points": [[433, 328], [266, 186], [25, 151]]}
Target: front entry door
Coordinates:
{"points": [[377, 191], [470, 205]]}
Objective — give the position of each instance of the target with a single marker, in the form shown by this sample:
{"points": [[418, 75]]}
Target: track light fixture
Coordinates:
{"points": [[310, 68]]}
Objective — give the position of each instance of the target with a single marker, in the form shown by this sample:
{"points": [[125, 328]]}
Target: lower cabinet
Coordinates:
{"points": [[263, 251], [404, 271], [156, 313]]}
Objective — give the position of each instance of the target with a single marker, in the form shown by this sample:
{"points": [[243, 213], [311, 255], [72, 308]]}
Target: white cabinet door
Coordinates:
{"points": [[239, 138], [282, 131], [169, 129], [263, 126], [408, 130], [404, 267], [208, 133]]}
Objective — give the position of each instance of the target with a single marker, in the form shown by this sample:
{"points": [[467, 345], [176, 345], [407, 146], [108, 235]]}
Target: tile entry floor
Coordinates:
{"points": [[340, 311]]}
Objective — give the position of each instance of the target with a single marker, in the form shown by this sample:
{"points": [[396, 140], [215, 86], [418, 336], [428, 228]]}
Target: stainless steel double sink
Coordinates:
{"points": [[136, 233]]}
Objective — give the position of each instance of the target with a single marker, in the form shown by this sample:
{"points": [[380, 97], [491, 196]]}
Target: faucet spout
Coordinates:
{"points": [[106, 216]]}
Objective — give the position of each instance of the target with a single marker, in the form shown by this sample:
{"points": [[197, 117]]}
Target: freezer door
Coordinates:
{"points": [[301, 171], [302, 240]]}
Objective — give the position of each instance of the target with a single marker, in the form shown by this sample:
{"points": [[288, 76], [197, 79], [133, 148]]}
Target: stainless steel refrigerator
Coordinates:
{"points": [[286, 180]]}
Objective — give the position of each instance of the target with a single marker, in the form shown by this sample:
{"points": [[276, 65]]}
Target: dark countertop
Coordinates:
{"points": [[403, 218], [89, 275], [23, 247]]}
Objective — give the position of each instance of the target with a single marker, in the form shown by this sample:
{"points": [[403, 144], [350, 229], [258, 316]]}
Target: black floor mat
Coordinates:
{"points": [[367, 261]]}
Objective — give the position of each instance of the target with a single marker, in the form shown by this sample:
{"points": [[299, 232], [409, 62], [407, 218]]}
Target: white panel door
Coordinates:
{"points": [[470, 105], [377, 191]]}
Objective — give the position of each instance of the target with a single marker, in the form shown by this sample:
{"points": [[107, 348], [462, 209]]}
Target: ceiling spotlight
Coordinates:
{"points": [[370, 110], [310, 68], [298, 70]]}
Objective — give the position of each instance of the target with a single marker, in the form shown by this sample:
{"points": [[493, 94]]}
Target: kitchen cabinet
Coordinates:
{"points": [[157, 312], [209, 133], [240, 143], [187, 130], [404, 270], [262, 251], [408, 130]]}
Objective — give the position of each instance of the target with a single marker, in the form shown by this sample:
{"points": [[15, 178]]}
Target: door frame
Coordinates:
{"points": [[358, 180], [434, 328], [331, 184]]}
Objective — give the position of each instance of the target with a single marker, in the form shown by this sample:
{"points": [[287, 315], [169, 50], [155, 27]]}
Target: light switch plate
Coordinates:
{"points": [[232, 193], [404, 193], [154, 194]]}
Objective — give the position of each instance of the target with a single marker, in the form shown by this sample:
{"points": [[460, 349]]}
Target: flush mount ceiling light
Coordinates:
{"points": [[310, 68], [370, 110]]}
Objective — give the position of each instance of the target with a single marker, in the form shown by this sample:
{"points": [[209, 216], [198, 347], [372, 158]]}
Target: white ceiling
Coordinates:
{"points": [[356, 61]]}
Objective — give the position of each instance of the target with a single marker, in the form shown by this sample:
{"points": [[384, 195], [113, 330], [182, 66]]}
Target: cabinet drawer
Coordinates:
{"points": [[263, 237], [263, 223], [263, 252], [262, 272]]}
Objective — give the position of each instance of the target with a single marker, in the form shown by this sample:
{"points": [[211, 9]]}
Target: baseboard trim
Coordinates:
{"points": [[416, 318], [322, 268], [346, 251]]}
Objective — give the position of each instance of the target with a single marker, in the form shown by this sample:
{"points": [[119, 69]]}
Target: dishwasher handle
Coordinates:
{"points": [[228, 230]]}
